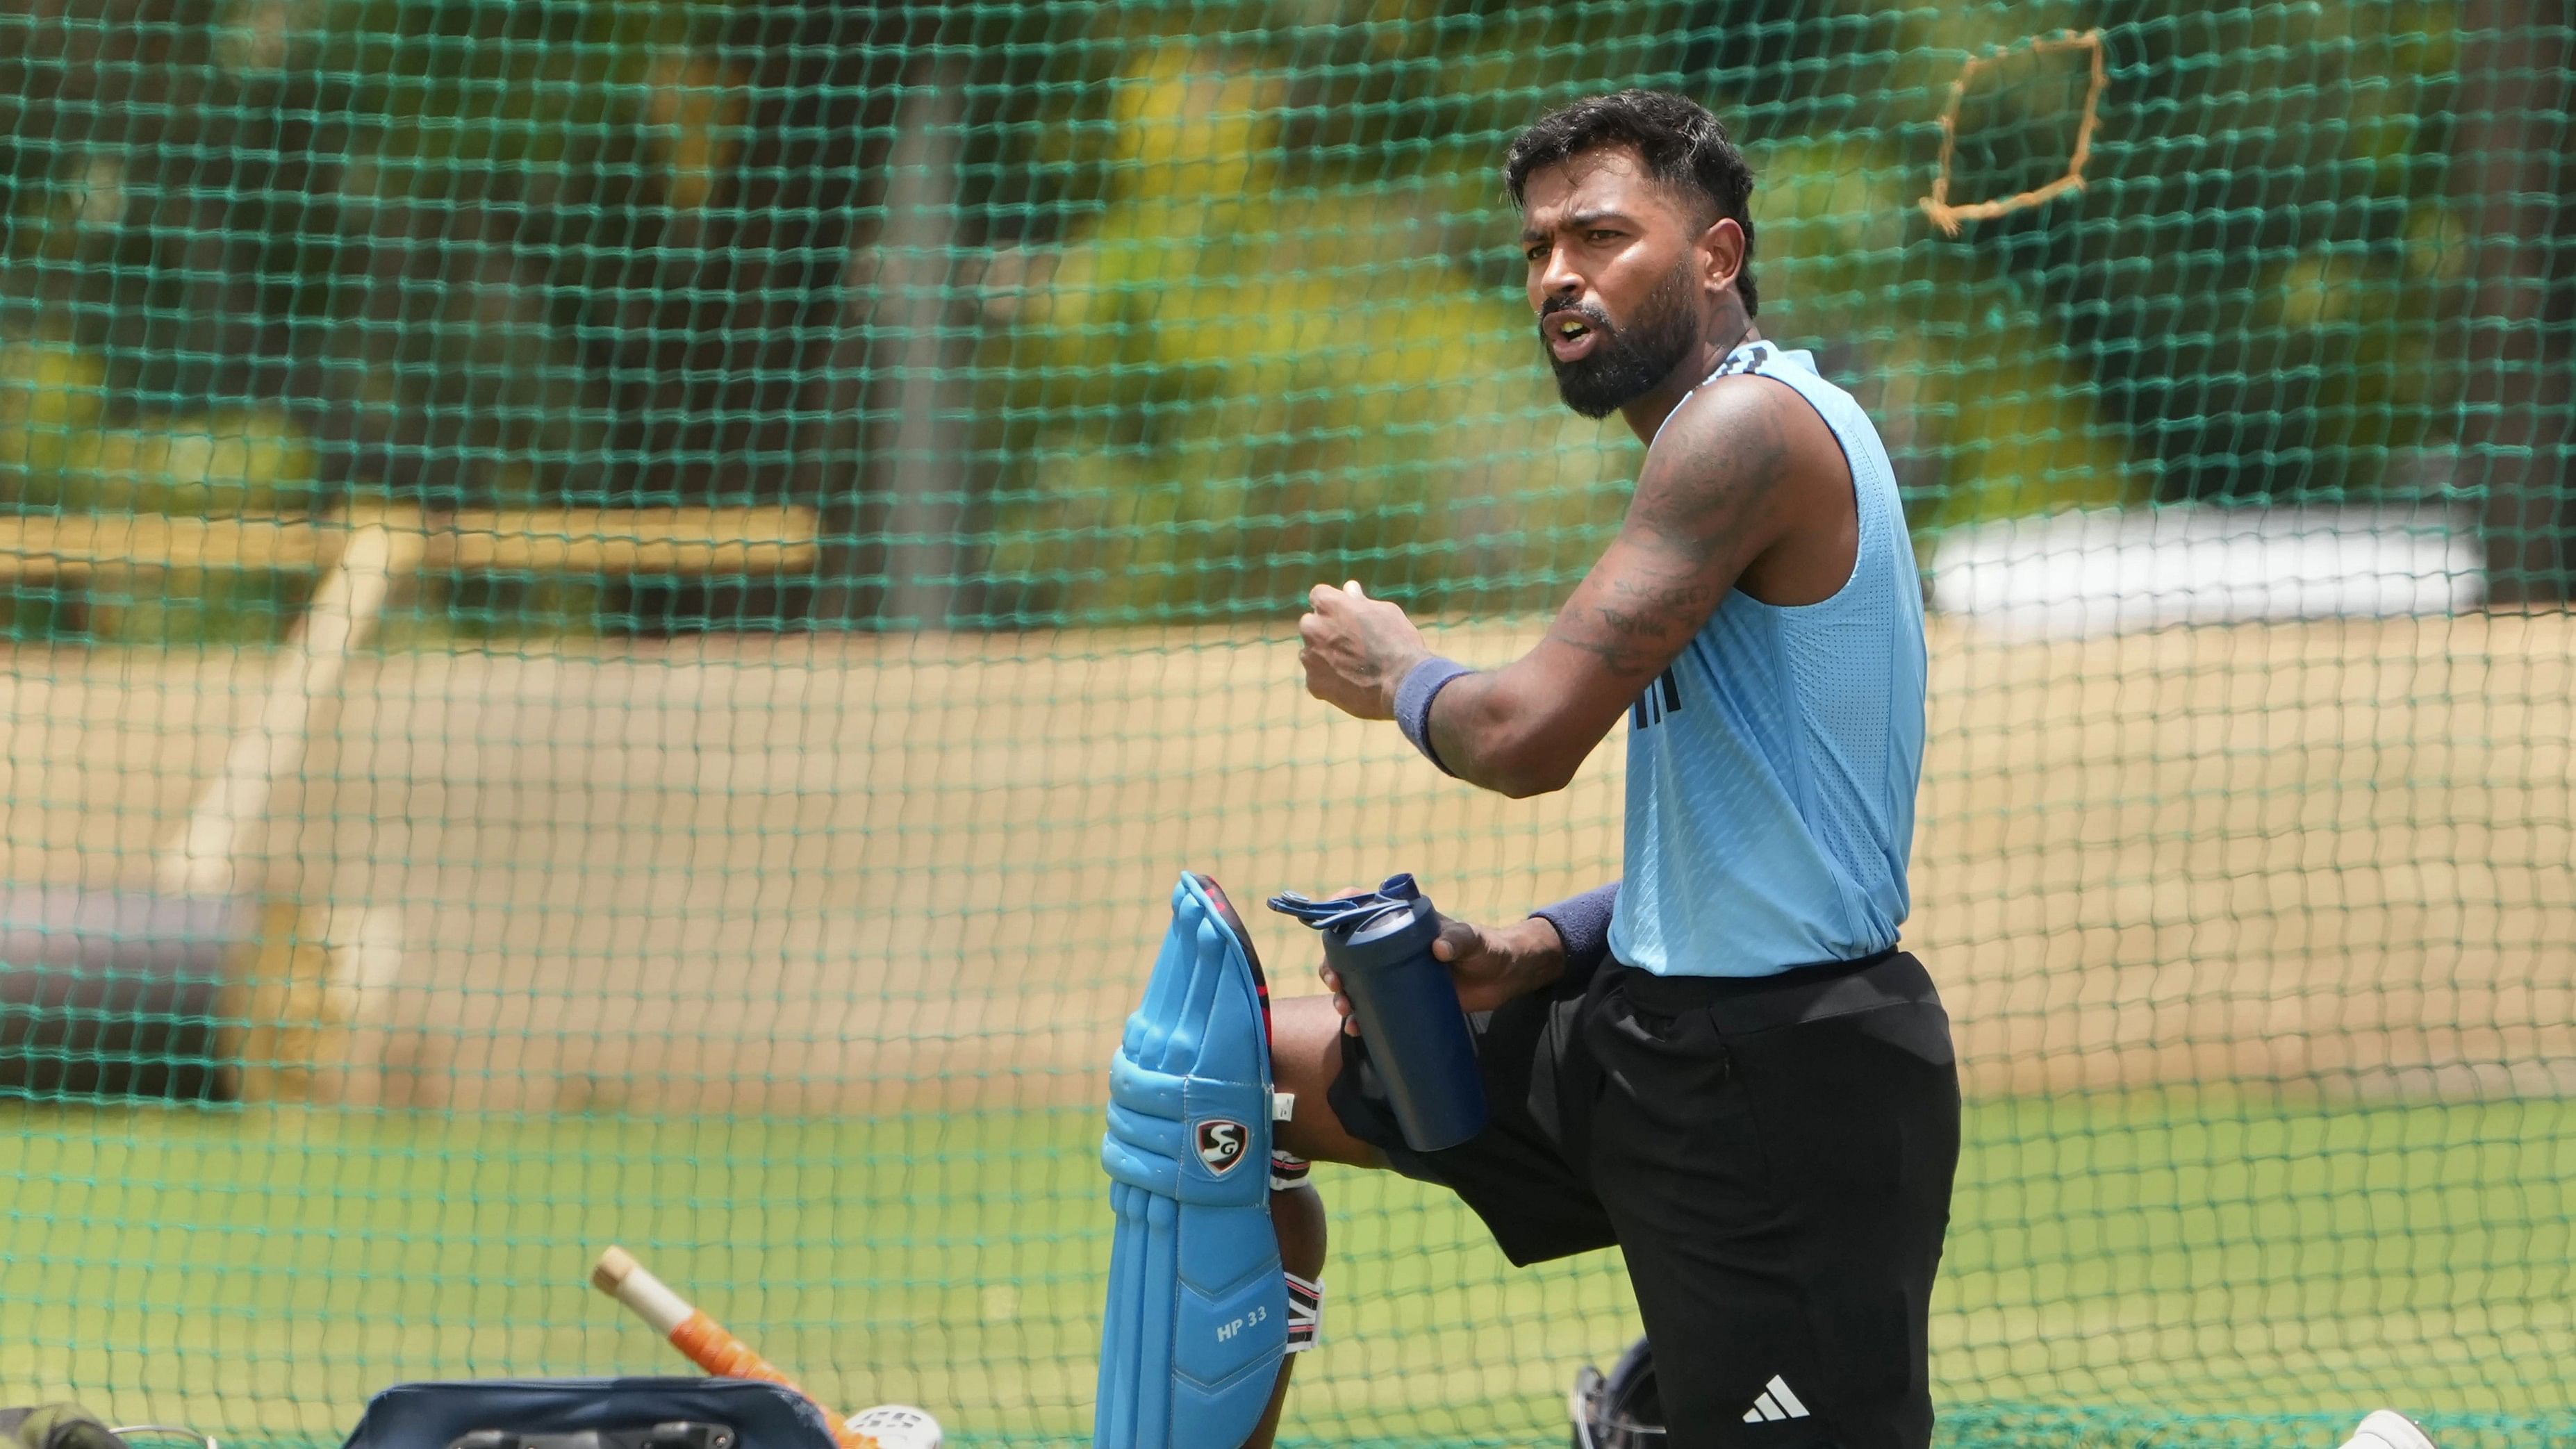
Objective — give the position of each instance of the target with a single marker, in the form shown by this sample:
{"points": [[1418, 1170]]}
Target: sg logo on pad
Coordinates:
{"points": [[1221, 1144]]}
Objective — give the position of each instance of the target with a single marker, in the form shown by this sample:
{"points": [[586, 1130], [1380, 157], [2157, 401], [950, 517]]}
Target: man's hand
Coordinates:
{"points": [[1356, 650], [1489, 964]]}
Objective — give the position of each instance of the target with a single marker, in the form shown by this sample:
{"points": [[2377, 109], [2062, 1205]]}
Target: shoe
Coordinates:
{"points": [[2389, 1429]]}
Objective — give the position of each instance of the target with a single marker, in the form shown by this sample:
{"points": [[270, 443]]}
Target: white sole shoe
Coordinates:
{"points": [[2389, 1429]]}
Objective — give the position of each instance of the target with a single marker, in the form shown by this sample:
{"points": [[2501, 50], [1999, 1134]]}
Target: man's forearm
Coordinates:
{"points": [[1455, 746], [1477, 733], [1440, 705], [1520, 730]]}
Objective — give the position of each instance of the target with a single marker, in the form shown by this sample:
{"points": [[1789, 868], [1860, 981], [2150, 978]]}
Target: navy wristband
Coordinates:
{"points": [[1421, 685], [1583, 924]]}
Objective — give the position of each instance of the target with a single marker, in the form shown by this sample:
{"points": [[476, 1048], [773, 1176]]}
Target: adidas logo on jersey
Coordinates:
{"points": [[1776, 1403]]}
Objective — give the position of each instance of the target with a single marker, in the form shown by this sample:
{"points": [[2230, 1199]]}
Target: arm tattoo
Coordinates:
{"points": [[1624, 660], [1693, 514], [1685, 518], [1699, 518], [1667, 594]]}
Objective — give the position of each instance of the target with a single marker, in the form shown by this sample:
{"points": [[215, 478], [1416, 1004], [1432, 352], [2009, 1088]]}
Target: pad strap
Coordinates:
{"points": [[1305, 1312]]}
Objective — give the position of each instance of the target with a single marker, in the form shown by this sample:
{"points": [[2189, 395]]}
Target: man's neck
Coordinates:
{"points": [[1645, 416]]}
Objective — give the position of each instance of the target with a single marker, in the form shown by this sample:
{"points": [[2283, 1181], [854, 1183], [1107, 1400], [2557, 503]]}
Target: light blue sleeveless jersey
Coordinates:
{"points": [[1771, 770]]}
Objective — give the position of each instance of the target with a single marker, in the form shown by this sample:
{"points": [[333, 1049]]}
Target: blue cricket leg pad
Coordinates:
{"points": [[1197, 1319], [1116, 1416]]}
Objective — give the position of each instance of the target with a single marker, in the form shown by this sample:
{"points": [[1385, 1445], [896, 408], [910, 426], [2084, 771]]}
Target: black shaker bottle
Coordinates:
{"points": [[1406, 1005]]}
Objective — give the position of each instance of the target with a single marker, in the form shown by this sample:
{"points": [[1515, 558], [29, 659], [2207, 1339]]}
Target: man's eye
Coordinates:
{"points": [[1535, 253], [1599, 235]]}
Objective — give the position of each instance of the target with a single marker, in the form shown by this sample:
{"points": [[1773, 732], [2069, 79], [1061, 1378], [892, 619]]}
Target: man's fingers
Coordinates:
{"points": [[1333, 979], [1457, 941]]}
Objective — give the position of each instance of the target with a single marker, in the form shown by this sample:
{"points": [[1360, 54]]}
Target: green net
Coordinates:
{"points": [[619, 615]]}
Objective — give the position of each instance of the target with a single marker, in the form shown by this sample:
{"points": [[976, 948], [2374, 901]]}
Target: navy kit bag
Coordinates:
{"points": [[637, 1413]]}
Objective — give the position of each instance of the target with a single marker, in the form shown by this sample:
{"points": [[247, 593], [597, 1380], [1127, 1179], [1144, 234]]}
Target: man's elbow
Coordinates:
{"points": [[1515, 750], [1526, 769], [1523, 787]]}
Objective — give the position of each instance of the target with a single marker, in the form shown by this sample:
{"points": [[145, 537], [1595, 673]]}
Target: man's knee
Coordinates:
{"points": [[1305, 1057]]}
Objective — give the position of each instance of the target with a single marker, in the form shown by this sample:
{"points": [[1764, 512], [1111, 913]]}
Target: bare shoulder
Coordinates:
{"points": [[1748, 416], [1747, 456]]}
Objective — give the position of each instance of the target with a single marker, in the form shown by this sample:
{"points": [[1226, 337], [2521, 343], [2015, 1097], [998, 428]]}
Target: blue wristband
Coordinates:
{"points": [[1422, 684], [1583, 924]]}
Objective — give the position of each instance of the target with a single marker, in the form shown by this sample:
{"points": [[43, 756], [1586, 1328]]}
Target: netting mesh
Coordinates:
{"points": [[620, 615]]}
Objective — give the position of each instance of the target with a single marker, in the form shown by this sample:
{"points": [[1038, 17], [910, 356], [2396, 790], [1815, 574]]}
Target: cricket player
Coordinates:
{"points": [[1722, 1064]]}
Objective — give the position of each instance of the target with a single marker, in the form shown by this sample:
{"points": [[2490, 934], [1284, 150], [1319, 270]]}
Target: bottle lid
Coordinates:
{"points": [[1370, 917]]}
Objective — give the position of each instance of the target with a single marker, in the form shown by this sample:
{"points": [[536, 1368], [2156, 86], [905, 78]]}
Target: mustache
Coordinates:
{"points": [[1593, 317]]}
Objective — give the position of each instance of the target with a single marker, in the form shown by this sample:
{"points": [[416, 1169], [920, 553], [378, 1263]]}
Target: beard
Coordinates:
{"points": [[1629, 361]]}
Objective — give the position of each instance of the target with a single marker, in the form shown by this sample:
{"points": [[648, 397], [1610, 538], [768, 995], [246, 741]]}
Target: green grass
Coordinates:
{"points": [[2169, 1268]]}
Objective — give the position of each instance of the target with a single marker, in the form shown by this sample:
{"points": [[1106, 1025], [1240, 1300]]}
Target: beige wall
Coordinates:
{"points": [[797, 876]]}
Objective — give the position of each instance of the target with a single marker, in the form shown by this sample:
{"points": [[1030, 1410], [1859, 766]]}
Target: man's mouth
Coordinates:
{"points": [[1568, 336]]}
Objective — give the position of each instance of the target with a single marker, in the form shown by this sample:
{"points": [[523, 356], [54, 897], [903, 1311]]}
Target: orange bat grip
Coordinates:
{"points": [[707, 1343]]}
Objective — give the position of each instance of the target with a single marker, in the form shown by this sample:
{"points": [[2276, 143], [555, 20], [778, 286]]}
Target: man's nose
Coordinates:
{"points": [[1560, 279]]}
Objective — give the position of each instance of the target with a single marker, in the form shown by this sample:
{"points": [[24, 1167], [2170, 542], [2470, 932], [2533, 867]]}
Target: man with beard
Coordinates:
{"points": [[1722, 1065]]}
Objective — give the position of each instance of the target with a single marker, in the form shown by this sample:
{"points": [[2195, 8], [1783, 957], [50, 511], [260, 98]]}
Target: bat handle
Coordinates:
{"points": [[702, 1340]]}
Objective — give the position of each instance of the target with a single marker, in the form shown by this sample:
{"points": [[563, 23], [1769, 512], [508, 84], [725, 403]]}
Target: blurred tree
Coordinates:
{"points": [[2515, 191], [711, 332], [1043, 346]]}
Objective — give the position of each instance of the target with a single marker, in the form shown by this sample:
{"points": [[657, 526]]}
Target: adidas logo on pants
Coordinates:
{"points": [[1775, 1403]]}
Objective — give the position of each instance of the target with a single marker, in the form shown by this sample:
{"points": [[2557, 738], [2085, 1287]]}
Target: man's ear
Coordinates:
{"points": [[1721, 249]]}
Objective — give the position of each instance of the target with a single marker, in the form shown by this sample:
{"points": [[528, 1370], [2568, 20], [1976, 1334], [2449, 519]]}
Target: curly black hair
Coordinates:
{"points": [[1685, 150]]}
